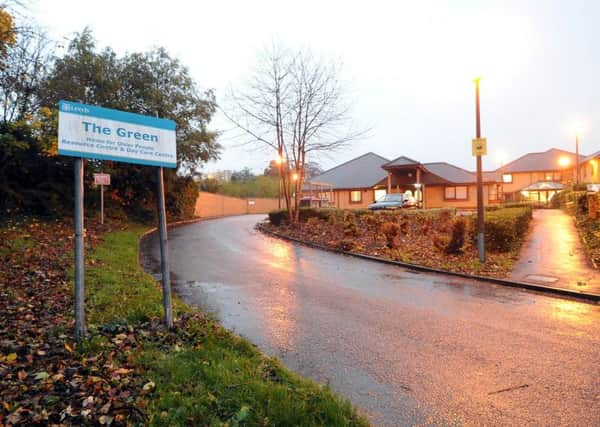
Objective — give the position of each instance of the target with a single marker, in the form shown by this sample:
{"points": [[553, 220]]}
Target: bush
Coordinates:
{"points": [[180, 199], [390, 231], [346, 245], [351, 229], [440, 242], [457, 239], [278, 216], [504, 228], [306, 213], [516, 205]]}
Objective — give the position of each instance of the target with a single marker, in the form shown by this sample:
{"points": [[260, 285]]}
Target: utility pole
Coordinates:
{"points": [[480, 210]]}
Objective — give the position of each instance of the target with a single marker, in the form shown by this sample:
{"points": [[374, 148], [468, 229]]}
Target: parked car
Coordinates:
{"points": [[392, 201]]}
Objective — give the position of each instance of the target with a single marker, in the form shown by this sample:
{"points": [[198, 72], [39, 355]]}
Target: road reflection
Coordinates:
{"points": [[281, 305], [280, 254], [572, 312]]}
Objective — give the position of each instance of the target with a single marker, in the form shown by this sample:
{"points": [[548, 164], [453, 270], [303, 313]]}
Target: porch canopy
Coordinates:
{"points": [[403, 172], [542, 192]]}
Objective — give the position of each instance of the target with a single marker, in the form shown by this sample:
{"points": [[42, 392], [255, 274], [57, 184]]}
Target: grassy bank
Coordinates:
{"points": [[200, 373], [130, 370]]}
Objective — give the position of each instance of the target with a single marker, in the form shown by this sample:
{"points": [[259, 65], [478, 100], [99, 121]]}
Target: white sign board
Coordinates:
{"points": [[101, 179], [105, 134]]}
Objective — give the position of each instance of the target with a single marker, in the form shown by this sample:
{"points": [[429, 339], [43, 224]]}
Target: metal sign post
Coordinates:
{"points": [[102, 204], [164, 255], [478, 149], [80, 329], [101, 179]]}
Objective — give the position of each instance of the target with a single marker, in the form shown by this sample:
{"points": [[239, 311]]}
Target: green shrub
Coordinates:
{"points": [[180, 199], [276, 217], [574, 202], [504, 228], [516, 205], [306, 213]]}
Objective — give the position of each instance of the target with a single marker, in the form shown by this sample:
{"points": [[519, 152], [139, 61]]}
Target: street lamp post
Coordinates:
{"points": [[480, 211]]}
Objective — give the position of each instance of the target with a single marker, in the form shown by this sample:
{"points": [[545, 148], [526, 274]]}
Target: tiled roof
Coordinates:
{"points": [[362, 172], [402, 161], [591, 156], [545, 161], [456, 175]]}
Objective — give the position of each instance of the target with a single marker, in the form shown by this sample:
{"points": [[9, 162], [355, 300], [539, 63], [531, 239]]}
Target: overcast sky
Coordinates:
{"points": [[407, 65]]}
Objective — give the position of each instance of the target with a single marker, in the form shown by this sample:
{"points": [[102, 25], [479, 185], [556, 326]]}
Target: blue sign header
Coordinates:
{"points": [[115, 115]]}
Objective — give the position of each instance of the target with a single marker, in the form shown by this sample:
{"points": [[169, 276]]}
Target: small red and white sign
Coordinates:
{"points": [[101, 179]]}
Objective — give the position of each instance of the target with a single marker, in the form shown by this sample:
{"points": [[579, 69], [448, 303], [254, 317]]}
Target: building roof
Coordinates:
{"points": [[449, 172], [544, 161], [361, 172], [591, 157], [456, 175], [401, 161]]}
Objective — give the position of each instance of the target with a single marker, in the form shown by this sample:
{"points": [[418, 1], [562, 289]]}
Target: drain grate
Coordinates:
{"points": [[541, 278]]}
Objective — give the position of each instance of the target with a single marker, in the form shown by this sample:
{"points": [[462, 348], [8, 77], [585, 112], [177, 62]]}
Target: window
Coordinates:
{"points": [[548, 176], [456, 193], [355, 196], [507, 178], [493, 192], [557, 177], [380, 193]]}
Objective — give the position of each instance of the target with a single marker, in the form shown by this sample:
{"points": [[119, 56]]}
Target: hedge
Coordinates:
{"points": [[278, 216], [504, 228]]}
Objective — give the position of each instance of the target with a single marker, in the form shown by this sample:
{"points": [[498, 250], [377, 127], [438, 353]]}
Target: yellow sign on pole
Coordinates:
{"points": [[479, 147]]}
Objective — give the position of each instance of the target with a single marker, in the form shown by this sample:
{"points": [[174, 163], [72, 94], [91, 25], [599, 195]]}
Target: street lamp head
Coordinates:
{"points": [[295, 177], [564, 161], [279, 159]]}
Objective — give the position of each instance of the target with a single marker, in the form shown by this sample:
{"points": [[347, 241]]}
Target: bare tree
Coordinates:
{"points": [[295, 105], [25, 68]]}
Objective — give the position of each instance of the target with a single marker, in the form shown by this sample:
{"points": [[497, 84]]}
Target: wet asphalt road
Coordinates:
{"points": [[407, 348]]}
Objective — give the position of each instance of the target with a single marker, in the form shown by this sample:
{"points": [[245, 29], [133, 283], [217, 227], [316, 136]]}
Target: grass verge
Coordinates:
{"points": [[199, 373]]}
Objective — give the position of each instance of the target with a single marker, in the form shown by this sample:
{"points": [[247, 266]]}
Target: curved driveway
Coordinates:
{"points": [[407, 348]]}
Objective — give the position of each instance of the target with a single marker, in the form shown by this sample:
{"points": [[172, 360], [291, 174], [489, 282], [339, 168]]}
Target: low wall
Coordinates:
{"points": [[210, 205]]}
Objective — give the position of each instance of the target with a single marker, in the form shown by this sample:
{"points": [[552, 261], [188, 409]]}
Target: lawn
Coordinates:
{"points": [[131, 370]]}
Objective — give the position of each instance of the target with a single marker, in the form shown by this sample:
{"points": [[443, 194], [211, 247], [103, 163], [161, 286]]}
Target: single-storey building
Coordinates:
{"points": [[360, 181], [589, 169], [537, 177], [534, 176]]}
